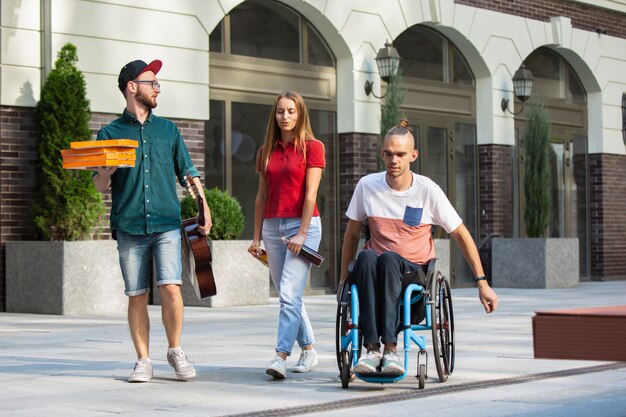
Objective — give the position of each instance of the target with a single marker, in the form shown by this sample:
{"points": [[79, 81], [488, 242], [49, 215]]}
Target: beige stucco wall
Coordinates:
{"points": [[111, 33]]}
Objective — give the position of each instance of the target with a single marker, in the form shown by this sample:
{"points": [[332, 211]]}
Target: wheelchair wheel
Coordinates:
{"points": [[442, 326], [422, 365], [343, 327], [421, 378]]}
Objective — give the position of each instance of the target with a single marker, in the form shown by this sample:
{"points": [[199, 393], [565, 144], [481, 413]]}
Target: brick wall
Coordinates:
{"points": [[18, 165], [495, 165], [18, 161], [607, 203], [583, 16], [357, 157]]}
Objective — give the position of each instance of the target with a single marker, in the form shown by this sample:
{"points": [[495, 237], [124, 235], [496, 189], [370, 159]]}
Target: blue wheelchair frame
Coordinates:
{"points": [[408, 331], [438, 319]]}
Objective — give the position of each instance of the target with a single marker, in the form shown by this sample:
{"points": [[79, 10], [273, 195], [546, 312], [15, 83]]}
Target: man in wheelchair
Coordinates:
{"points": [[401, 208]]}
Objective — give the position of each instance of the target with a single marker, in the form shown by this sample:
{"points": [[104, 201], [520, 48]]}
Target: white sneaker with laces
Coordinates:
{"points": [[368, 363], [391, 364], [142, 371], [306, 362], [277, 368], [178, 360]]}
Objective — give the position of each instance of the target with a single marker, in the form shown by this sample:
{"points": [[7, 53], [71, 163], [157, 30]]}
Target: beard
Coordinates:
{"points": [[146, 100]]}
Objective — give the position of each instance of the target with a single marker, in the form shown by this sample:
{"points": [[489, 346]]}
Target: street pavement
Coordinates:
{"points": [[77, 365]]}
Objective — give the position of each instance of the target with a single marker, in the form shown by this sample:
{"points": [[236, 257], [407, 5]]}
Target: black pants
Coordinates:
{"points": [[381, 281]]}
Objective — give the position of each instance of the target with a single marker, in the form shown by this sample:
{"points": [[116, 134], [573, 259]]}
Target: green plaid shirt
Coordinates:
{"points": [[144, 196]]}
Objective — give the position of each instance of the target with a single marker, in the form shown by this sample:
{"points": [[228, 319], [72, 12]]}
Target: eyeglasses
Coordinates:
{"points": [[155, 84]]}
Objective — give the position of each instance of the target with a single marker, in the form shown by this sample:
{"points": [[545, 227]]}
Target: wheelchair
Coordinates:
{"points": [[436, 301]]}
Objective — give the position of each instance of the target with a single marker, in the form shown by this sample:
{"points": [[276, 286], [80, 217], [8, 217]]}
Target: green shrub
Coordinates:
{"points": [[537, 175], [67, 205], [226, 213], [390, 112]]}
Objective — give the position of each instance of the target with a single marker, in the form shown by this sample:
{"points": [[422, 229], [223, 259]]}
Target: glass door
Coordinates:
{"points": [[447, 155], [568, 213], [234, 135]]}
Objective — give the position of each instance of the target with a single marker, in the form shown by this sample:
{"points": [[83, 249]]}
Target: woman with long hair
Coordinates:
{"points": [[290, 165]]}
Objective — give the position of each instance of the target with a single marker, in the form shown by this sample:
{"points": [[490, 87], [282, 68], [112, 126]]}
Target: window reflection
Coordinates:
{"points": [[248, 135], [461, 73], [215, 39], [324, 128], [262, 30], [437, 162], [554, 77], [214, 143], [428, 55], [317, 51], [421, 50], [466, 188]]}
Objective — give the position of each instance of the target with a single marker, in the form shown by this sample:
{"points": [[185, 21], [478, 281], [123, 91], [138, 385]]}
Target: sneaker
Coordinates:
{"points": [[391, 364], [178, 360], [308, 359], [142, 371], [368, 363], [277, 368]]}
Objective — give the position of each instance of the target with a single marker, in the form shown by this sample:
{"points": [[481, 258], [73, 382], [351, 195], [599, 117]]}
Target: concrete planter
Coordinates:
{"points": [[535, 263], [73, 278], [442, 253], [240, 279]]}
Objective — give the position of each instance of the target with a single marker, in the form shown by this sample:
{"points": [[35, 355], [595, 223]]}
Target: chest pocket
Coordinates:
{"points": [[162, 152], [412, 216]]}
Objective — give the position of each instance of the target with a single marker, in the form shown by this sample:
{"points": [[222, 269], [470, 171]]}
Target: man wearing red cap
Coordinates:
{"points": [[145, 213]]}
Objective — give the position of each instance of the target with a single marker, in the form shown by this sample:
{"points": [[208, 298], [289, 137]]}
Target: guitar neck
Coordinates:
{"points": [[193, 190]]}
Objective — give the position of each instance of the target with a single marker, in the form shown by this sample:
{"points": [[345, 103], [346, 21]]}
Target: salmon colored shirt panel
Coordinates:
{"points": [[401, 221], [286, 178]]}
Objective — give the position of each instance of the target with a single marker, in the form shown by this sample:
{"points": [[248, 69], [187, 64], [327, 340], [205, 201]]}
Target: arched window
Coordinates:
{"points": [[264, 29], [554, 77], [428, 55]]}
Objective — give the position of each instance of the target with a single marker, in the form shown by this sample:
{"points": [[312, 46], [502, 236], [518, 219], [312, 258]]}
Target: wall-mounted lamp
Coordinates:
{"points": [[388, 61], [522, 87], [624, 117]]}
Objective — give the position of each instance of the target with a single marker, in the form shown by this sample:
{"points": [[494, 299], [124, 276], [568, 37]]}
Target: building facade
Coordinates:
{"points": [[226, 60]]}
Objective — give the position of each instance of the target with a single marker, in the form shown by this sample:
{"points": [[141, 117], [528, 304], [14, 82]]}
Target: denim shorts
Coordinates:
{"points": [[140, 255]]}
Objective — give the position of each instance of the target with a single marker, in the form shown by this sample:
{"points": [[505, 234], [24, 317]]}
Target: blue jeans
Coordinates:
{"points": [[136, 255], [289, 274]]}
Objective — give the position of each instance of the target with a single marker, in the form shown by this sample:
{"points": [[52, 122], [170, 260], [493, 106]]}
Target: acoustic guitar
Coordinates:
{"points": [[196, 252]]}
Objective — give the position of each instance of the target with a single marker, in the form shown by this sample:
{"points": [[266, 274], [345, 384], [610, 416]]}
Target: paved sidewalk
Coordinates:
{"points": [[77, 366]]}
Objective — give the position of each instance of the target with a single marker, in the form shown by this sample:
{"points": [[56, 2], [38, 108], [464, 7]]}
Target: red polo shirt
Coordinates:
{"points": [[286, 178]]}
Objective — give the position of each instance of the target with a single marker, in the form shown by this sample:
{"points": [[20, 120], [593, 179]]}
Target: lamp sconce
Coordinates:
{"points": [[388, 62], [522, 88]]}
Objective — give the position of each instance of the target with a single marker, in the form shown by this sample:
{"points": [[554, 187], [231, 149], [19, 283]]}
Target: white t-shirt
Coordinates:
{"points": [[401, 221]]}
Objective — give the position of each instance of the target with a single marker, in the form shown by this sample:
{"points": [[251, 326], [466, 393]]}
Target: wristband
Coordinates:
{"points": [[482, 278]]}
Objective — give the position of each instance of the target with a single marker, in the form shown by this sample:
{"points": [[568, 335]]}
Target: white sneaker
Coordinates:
{"points": [[368, 363], [178, 360], [277, 368], [142, 371], [308, 359], [391, 364]]}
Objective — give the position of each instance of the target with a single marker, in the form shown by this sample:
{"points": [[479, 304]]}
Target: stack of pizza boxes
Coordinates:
{"points": [[100, 153]]}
